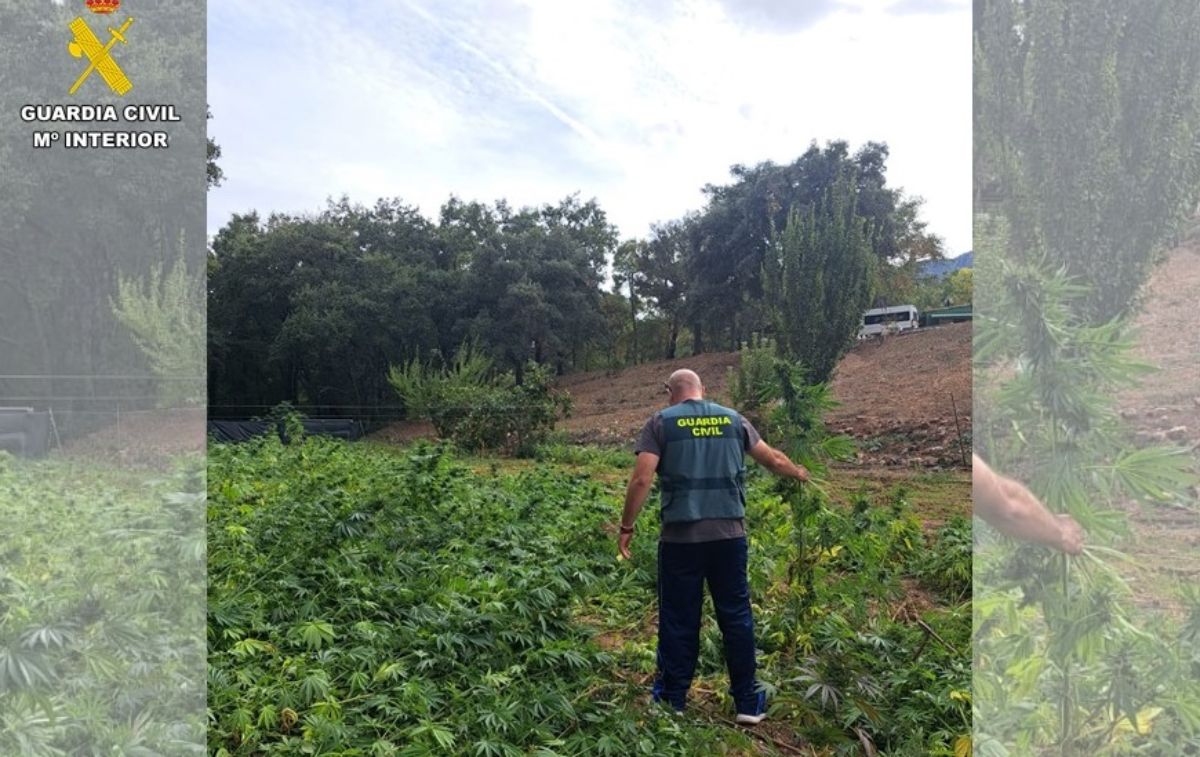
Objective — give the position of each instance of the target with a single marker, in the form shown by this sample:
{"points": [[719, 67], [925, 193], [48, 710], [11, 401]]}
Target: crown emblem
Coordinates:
{"points": [[103, 6]]}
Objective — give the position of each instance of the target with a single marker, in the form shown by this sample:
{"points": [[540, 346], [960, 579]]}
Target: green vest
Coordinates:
{"points": [[702, 471]]}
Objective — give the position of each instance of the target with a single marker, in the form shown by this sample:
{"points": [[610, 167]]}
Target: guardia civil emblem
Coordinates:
{"points": [[99, 55]]}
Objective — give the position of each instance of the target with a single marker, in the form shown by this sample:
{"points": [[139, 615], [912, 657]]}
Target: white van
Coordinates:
{"points": [[878, 320]]}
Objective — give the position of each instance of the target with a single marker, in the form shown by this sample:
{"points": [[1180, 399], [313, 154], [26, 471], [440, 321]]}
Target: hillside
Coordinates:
{"points": [[1166, 402], [895, 395], [1165, 409]]}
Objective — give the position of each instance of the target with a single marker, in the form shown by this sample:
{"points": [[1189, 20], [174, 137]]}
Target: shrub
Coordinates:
{"points": [[946, 567], [287, 421], [478, 409], [429, 392], [504, 416]]}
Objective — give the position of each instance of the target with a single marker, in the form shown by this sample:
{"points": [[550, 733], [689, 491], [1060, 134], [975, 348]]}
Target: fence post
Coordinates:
{"points": [[962, 452]]}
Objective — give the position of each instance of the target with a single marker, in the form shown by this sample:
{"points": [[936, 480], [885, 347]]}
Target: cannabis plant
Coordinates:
{"points": [[1084, 675]]}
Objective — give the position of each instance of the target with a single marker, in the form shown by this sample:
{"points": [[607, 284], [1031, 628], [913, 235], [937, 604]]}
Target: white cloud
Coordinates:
{"points": [[530, 100]]}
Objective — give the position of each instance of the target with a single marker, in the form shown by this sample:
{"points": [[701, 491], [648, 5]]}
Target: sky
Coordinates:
{"points": [[636, 103]]}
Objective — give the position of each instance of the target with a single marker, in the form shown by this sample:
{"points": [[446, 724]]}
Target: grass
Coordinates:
{"points": [[936, 497]]}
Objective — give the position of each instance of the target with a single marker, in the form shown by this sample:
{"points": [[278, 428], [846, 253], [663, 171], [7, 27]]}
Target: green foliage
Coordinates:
{"points": [[564, 453], [817, 280], [1086, 156], [947, 569], [772, 393], [427, 392], [403, 600], [1088, 679], [960, 286], [736, 233], [1087, 125], [314, 308], [533, 283], [955, 288], [754, 383], [213, 173], [165, 315], [513, 418], [657, 276], [853, 671], [360, 601], [101, 596], [479, 409], [286, 421]]}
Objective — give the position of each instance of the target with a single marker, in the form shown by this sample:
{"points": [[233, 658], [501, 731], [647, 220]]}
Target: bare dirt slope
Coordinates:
{"points": [[1169, 339], [895, 395], [142, 439], [907, 400], [1166, 408], [611, 406]]}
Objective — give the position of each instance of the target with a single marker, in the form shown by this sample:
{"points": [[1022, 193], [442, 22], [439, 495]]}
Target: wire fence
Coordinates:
{"points": [[94, 377]]}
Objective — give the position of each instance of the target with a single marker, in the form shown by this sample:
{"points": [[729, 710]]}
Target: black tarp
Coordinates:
{"points": [[241, 431], [24, 432]]}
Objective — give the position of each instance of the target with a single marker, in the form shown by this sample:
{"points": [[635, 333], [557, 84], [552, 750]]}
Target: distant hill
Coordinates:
{"points": [[935, 269]]}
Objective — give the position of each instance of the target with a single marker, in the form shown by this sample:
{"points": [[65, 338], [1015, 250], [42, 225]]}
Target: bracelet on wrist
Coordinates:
{"points": [[626, 529]]}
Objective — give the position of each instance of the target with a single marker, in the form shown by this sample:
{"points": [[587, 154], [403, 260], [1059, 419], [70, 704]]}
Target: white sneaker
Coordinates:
{"points": [[759, 714]]}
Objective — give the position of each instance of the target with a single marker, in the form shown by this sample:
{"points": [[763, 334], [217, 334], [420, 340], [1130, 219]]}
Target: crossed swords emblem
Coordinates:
{"points": [[101, 60]]}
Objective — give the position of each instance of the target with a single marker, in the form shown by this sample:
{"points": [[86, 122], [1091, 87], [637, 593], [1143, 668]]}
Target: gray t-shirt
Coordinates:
{"points": [[651, 440]]}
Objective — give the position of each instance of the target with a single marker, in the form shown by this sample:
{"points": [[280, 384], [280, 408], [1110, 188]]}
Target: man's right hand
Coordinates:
{"points": [[1012, 509], [777, 462], [1070, 535], [623, 541]]}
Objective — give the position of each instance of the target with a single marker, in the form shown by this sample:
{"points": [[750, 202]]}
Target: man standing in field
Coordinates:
{"points": [[698, 449]]}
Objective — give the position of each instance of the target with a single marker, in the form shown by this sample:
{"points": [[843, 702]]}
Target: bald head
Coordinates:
{"points": [[685, 385]]}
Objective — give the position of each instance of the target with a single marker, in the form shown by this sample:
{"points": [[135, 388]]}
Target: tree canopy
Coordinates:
{"points": [[314, 308]]}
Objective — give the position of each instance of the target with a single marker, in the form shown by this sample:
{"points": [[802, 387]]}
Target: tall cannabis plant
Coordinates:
{"points": [[1086, 677], [1087, 156], [817, 279], [164, 312]]}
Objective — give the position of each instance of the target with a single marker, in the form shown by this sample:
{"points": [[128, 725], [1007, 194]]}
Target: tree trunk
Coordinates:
{"points": [[631, 356], [697, 338]]}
